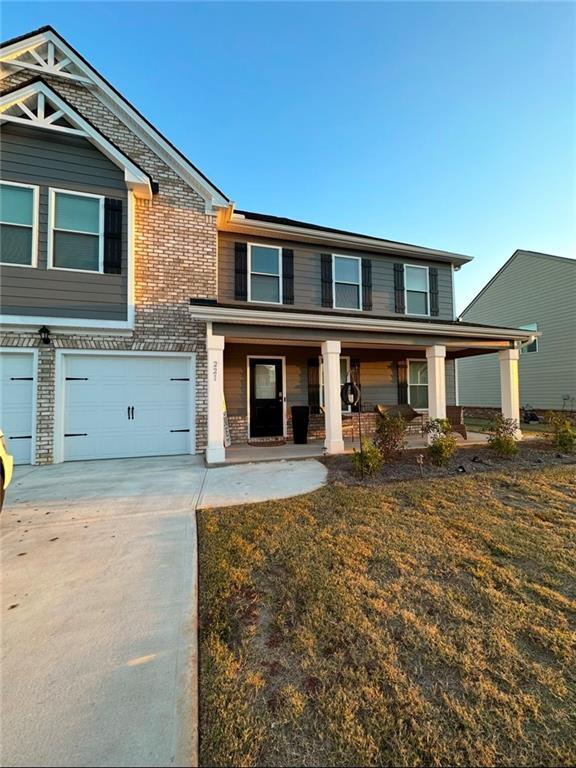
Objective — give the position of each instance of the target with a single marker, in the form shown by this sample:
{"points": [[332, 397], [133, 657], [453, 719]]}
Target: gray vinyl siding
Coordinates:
{"points": [[378, 374], [532, 288], [72, 163], [307, 278]]}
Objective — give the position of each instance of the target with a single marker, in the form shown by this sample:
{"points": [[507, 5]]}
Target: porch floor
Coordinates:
{"points": [[243, 453]]}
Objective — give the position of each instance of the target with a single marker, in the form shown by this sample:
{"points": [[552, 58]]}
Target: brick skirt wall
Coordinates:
{"points": [[484, 412]]}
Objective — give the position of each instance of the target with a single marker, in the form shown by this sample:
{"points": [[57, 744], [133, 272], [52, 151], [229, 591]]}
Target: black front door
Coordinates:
{"points": [[266, 398]]}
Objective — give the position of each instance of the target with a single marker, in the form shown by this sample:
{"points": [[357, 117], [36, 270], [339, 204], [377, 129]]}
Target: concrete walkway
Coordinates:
{"points": [[99, 629]]}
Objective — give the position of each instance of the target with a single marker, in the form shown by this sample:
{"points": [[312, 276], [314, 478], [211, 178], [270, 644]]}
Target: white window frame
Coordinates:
{"points": [[264, 274], [417, 314], [531, 327], [35, 196], [52, 192], [345, 408], [358, 259], [416, 360]]}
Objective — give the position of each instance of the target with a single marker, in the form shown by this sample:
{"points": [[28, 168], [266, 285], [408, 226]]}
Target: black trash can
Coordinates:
{"points": [[300, 419]]}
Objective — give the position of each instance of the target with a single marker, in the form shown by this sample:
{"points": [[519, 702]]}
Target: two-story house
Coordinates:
{"points": [[138, 302]]}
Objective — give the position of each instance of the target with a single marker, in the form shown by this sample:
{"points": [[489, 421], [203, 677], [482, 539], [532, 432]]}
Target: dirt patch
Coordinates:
{"points": [[470, 460]]}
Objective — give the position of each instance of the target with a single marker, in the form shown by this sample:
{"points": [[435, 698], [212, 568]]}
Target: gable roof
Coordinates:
{"points": [[517, 253], [66, 62]]}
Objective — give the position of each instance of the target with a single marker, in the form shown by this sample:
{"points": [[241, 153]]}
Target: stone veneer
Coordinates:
{"points": [[175, 259]]}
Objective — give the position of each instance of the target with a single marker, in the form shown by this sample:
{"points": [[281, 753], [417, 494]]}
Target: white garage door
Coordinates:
{"points": [[118, 406], [16, 403]]}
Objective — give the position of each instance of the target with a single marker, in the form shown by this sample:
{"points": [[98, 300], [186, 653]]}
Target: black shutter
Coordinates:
{"points": [[399, 303], [287, 276], [433, 277], [367, 285], [314, 384], [112, 236], [241, 271], [402, 375], [355, 378], [326, 273]]}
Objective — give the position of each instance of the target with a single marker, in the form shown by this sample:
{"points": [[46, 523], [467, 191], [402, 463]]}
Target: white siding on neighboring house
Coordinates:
{"points": [[530, 288]]}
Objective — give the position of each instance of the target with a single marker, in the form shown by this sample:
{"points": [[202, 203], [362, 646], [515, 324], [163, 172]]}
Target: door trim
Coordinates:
{"points": [[34, 353], [59, 388], [284, 394]]}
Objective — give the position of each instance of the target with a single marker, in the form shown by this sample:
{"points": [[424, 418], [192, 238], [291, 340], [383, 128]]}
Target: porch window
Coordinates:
{"points": [[265, 268], [418, 383], [347, 282], [344, 377], [417, 290], [77, 231], [533, 346], [17, 224]]}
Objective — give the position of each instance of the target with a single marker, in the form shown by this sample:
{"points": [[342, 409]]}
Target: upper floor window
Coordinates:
{"points": [[265, 274], [533, 346], [347, 282], [76, 238], [18, 225], [417, 290]]}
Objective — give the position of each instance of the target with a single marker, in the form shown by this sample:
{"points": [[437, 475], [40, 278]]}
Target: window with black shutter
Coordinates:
{"points": [[433, 281], [402, 377], [326, 278], [287, 276], [367, 285], [399, 301], [112, 236], [314, 384], [241, 271]]}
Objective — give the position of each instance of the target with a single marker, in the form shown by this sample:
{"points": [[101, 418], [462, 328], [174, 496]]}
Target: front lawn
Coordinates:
{"points": [[417, 623]]}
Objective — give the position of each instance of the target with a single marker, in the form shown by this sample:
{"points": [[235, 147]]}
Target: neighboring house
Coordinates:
{"points": [[136, 299], [532, 291]]}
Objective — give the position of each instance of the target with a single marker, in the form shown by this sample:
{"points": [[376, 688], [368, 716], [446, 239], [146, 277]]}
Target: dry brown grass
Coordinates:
{"points": [[422, 623]]}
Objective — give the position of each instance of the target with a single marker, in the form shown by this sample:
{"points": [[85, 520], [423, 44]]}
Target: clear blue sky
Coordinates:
{"points": [[448, 124]]}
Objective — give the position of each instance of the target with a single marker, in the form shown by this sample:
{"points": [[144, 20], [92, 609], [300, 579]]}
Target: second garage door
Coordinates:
{"points": [[119, 406]]}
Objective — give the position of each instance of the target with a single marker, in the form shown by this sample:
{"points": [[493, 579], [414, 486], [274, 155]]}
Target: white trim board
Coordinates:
{"points": [[59, 405], [284, 393], [34, 417]]}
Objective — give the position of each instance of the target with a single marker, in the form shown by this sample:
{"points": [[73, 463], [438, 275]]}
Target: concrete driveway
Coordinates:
{"points": [[98, 616]]}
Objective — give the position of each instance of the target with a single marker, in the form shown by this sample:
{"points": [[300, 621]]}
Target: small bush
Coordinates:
{"points": [[502, 437], [390, 435], [369, 460], [563, 431], [443, 443]]}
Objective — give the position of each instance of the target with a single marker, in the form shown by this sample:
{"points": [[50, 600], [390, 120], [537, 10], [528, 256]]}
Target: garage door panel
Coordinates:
{"points": [[122, 406], [16, 404]]}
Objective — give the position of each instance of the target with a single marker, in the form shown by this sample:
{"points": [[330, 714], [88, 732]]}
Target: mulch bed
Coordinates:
{"points": [[470, 460]]}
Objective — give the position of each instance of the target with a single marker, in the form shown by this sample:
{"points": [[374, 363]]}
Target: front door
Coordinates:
{"points": [[266, 398]]}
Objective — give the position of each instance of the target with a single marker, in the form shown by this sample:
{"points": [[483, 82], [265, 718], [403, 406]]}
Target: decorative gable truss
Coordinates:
{"points": [[36, 105], [42, 57], [44, 52]]}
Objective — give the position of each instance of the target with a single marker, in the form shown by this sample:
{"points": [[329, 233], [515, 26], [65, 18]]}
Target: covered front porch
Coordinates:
{"points": [[257, 372]]}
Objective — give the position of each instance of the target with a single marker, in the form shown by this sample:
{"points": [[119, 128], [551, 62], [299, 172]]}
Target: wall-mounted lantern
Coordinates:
{"points": [[44, 334]]}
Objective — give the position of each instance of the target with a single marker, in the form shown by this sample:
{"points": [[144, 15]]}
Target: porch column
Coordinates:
{"points": [[436, 356], [332, 403], [215, 452], [509, 389]]}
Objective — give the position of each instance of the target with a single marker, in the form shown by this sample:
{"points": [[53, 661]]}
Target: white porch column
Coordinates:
{"points": [[436, 356], [215, 452], [509, 386], [332, 402]]}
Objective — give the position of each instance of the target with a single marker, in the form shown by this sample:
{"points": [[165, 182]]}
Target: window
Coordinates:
{"points": [[265, 284], [418, 383], [77, 231], [417, 291], [18, 224], [533, 346], [344, 377], [346, 271]]}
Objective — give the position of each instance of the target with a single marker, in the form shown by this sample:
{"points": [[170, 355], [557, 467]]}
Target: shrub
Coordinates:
{"points": [[390, 435], [443, 443], [563, 431], [369, 460], [502, 437]]}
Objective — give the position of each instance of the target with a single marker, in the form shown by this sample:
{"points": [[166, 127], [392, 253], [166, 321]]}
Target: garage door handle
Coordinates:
{"points": [[132, 413]]}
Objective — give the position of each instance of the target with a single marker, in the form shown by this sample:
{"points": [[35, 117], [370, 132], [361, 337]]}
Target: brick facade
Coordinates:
{"points": [[175, 246]]}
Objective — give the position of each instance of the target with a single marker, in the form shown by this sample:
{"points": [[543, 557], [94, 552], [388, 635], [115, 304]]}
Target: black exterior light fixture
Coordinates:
{"points": [[44, 334]]}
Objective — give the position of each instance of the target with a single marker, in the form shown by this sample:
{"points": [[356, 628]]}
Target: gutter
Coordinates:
{"points": [[291, 319]]}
